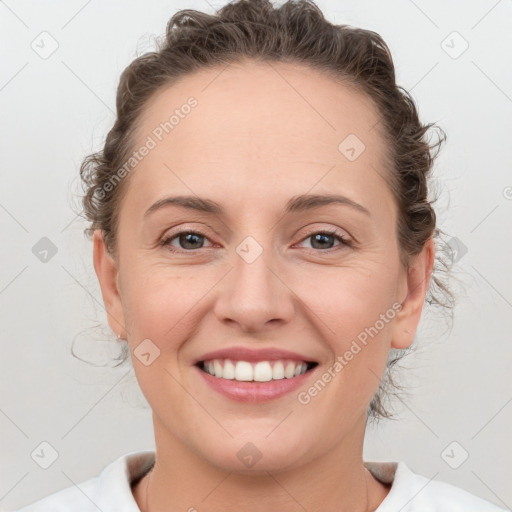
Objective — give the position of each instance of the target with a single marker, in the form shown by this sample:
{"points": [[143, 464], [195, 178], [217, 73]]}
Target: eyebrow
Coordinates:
{"points": [[299, 203]]}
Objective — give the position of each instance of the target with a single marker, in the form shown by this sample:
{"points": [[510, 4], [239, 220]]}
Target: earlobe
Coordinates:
{"points": [[107, 273], [418, 281]]}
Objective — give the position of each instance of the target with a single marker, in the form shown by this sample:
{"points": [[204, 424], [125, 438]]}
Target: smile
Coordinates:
{"points": [[261, 371], [254, 381]]}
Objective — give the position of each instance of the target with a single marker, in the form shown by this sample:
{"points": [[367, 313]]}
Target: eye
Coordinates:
{"points": [[193, 240], [188, 241], [322, 240]]}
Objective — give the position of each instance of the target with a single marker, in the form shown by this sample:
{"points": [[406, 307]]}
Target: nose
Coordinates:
{"points": [[254, 295]]}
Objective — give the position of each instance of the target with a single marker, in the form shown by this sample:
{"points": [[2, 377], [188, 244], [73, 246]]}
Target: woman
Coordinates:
{"points": [[263, 238]]}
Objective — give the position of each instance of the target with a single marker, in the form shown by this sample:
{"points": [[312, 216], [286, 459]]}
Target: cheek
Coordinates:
{"points": [[159, 307], [348, 300], [156, 300], [354, 312], [341, 302]]}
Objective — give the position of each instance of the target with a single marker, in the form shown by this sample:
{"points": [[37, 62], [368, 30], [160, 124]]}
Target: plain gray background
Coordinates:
{"points": [[57, 108]]}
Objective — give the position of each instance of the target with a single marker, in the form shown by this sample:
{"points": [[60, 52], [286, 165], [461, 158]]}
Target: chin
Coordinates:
{"points": [[258, 454]]}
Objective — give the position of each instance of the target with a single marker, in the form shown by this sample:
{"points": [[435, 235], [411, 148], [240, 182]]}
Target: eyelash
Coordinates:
{"points": [[166, 242]]}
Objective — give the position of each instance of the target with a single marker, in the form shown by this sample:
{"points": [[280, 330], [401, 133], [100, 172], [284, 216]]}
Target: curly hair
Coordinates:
{"points": [[296, 32]]}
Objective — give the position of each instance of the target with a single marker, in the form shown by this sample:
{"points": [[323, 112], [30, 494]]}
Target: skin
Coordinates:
{"points": [[260, 134]]}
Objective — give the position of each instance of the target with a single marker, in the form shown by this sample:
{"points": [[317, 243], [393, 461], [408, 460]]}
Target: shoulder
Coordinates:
{"points": [[109, 491], [411, 492], [81, 498]]}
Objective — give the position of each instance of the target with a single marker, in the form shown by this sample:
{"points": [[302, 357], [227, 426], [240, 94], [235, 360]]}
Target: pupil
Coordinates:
{"points": [[318, 237], [189, 239]]}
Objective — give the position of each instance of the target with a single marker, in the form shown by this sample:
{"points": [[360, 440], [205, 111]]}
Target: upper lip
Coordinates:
{"points": [[248, 354]]}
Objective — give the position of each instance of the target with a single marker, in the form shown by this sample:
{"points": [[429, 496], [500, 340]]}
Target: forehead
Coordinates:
{"points": [[258, 123]]}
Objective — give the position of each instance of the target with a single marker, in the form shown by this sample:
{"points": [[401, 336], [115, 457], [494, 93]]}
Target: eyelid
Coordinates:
{"points": [[331, 230], [181, 228]]}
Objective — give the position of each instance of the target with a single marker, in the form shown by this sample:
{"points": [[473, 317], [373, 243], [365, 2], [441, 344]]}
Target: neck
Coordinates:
{"points": [[337, 480]]}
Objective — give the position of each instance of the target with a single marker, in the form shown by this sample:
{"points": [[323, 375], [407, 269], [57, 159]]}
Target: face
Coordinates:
{"points": [[267, 277]]}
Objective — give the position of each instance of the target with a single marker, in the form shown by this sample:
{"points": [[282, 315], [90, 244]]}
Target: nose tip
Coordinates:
{"points": [[253, 296]]}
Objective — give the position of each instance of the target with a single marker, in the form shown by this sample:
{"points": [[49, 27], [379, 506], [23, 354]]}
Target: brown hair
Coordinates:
{"points": [[295, 32]]}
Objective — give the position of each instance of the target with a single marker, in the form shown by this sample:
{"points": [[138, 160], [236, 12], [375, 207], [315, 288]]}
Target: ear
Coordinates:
{"points": [[107, 273], [417, 283]]}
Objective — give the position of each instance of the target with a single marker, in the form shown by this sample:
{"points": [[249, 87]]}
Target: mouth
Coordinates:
{"points": [[255, 381], [251, 375], [255, 371]]}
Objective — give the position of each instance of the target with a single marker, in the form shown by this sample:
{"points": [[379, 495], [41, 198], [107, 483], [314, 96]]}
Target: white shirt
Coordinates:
{"points": [[110, 491]]}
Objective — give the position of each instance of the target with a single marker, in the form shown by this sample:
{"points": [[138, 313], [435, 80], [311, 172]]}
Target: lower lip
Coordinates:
{"points": [[254, 391]]}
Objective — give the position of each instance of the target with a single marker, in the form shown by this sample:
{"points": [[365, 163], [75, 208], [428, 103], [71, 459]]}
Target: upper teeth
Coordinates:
{"points": [[262, 371]]}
